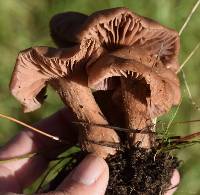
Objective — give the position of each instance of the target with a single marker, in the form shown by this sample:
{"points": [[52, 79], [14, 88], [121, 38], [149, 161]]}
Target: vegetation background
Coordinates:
{"points": [[24, 24]]}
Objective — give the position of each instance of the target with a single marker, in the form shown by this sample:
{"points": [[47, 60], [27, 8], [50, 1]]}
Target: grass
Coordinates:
{"points": [[25, 23]]}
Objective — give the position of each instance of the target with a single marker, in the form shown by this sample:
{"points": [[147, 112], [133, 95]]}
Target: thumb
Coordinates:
{"points": [[90, 177]]}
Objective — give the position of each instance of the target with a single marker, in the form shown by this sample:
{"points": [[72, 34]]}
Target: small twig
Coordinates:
{"points": [[179, 145], [189, 16], [31, 127], [107, 144], [141, 131], [188, 137], [172, 188]]}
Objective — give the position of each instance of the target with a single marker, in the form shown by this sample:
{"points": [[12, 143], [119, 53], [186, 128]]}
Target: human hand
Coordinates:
{"points": [[90, 177]]}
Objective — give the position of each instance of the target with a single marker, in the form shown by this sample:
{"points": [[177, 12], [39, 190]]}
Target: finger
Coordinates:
{"points": [[89, 178], [27, 170], [175, 180]]}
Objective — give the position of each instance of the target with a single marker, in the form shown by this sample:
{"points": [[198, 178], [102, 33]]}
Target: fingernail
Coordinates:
{"points": [[175, 178], [89, 170]]}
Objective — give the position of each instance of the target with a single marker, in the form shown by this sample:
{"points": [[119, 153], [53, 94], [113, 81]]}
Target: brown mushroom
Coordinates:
{"points": [[37, 67]]}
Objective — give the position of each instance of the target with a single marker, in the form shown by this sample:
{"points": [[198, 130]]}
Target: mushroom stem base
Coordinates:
{"points": [[134, 93]]}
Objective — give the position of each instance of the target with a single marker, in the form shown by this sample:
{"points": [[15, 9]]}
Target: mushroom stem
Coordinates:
{"points": [[134, 93], [80, 100]]}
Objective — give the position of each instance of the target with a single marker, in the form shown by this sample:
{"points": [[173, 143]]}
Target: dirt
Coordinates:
{"points": [[140, 171]]}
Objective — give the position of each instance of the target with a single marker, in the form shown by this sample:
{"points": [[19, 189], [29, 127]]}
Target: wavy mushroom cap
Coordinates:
{"points": [[162, 84], [94, 36], [119, 27], [35, 68]]}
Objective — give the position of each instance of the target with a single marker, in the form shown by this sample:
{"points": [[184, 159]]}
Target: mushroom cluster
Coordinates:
{"points": [[112, 67]]}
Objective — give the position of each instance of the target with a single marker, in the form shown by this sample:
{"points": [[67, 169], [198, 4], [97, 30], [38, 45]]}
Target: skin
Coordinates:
{"points": [[90, 177]]}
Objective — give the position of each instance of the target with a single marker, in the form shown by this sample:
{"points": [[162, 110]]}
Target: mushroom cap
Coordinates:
{"points": [[119, 27], [34, 68]]}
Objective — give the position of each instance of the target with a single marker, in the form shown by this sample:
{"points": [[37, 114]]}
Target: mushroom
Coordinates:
{"points": [[112, 49], [39, 66]]}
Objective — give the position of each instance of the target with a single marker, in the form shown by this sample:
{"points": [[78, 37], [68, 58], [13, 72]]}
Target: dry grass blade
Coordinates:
{"points": [[146, 130], [188, 91], [189, 17], [191, 54], [190, 121], [184, 77], [174, 145], [173, 117], [189, 137], [30, 155], [30, 127], [189, 57]]}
